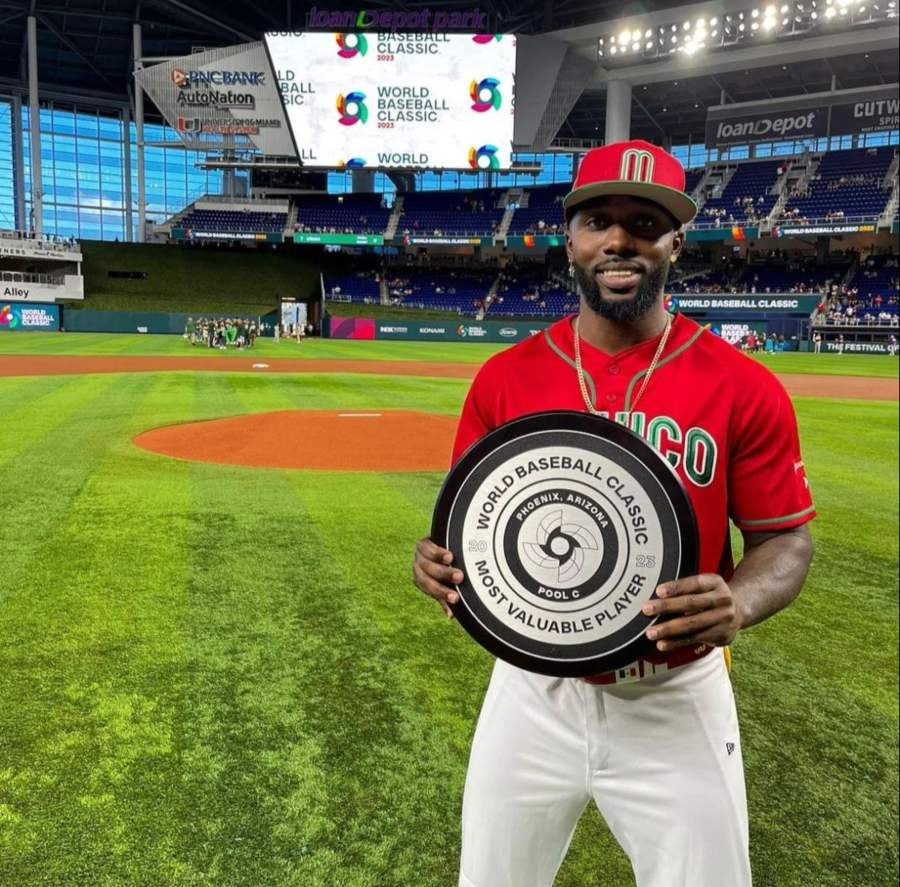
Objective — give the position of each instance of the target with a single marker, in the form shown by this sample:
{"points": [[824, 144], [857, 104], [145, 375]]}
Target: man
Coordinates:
{"points": [[659, 755]]}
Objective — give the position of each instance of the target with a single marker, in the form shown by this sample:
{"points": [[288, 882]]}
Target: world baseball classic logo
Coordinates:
{"points": [[351, 45], [484, 158], [564, 525], [352, 108], [485, 94]]}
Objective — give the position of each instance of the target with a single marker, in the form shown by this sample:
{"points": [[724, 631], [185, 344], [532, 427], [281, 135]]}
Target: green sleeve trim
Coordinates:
{"points": [[775, 520]]}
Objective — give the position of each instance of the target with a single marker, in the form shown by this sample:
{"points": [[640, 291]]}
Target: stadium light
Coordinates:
{"points": [[768, 21]]}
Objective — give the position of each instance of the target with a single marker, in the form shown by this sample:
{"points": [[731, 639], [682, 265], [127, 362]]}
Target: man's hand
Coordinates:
{"points": [[701, 610], [434, 574]]}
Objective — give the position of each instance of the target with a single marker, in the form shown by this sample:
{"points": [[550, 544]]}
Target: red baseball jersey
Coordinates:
{"points": [[722, 420]]}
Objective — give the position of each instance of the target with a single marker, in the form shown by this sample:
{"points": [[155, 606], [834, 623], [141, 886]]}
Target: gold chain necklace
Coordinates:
{"points": [[580, 369]]}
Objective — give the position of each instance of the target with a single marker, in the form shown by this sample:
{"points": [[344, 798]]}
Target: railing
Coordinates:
{"points": [[21, 277], [45, 241], [856, 323], [804, 221], [247, 201]]}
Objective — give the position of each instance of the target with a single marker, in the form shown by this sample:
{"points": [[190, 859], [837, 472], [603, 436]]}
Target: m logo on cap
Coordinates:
{"points": [[637, 166]]}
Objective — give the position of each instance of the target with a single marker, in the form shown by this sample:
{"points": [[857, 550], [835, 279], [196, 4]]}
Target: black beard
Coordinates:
{"points": [[649, 291]]}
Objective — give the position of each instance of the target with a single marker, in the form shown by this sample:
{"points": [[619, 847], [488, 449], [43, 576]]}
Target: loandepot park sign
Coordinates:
{"points": [[843, 112], [387, 20]]}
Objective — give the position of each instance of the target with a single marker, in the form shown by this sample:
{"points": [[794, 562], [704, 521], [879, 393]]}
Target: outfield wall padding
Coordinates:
{"points": [[452, 330], [83, 321]]}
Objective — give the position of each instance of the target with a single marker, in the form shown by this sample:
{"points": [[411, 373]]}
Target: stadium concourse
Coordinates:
{"points": [[252, 257]]}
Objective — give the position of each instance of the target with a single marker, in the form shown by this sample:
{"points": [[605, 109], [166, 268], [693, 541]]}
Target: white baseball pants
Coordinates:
{"points": [[661, 758]]}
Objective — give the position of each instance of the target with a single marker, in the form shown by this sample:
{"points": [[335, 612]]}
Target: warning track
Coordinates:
{"points": [[798, 385]]}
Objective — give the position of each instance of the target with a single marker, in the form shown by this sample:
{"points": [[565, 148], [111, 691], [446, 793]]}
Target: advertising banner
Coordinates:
{"points": [[534, 241], [877, 347], [70, 287], [766, 126], [223, 96], [737, 303], [872, 114], [28, 318], [827, 228], [464, 240], [194, 234], [730, 232], [38, 249], [841, 112], [454, 329], [342, 239], [432, 100]]}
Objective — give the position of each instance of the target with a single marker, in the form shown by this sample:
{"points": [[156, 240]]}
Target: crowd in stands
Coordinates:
{"points": [[870, 299], [846, 185], [544, 213], [457, 289], [745, 200], [217, 332]]}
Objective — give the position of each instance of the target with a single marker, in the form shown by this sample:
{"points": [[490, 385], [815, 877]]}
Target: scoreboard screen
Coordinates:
{"points": [[398, 100]]}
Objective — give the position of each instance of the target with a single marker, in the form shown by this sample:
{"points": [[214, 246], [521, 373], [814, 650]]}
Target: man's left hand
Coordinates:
{"points": [[699, 610]]}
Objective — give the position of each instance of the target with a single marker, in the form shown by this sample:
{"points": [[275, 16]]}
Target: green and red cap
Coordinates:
{"points": [[632, 169]]}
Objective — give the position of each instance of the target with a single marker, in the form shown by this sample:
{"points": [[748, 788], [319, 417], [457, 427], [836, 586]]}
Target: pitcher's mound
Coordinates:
{"points": [[329, 441]]}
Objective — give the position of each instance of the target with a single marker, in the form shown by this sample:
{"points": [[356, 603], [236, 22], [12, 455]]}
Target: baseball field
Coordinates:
{"points": [[217, 672]]}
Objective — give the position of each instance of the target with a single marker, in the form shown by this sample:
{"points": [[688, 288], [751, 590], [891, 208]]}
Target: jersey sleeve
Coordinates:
{"points": [[767, 485]]}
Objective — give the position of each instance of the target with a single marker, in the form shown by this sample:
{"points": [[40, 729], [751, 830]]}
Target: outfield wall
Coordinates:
{"points": [[454, 329], [84, 321]]}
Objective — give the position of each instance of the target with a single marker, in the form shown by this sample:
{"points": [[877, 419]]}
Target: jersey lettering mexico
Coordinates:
{"points": [[723, 421]]}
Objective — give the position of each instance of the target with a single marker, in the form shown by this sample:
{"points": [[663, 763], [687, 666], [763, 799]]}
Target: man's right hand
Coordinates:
{"points": [[433, 573]]}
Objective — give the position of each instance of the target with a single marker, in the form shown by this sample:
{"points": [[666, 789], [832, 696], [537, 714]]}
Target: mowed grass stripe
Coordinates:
{"points": [[42, 483], [443, 671], [406, 774], [296, 726], [816, 685], [97, 646], [48, 404]]}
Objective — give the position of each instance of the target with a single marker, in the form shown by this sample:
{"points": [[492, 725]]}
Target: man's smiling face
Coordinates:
{"points": [[621, 249]]}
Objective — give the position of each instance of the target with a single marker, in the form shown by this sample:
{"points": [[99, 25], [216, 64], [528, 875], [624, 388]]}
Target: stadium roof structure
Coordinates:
{"points": [[85, 51]]}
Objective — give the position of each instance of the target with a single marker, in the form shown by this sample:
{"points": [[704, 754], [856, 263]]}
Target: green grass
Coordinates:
{"points": [[222, 676], [443, 352], [191, 279]]}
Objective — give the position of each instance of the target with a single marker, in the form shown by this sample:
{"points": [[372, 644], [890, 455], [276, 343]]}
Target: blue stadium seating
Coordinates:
{"points": [[458, 290], [525, 291], [847, 182], [360, 287], [451, 213], [877, 282], [751, 182], [544, 204], [233, 221], [346, 213]]}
